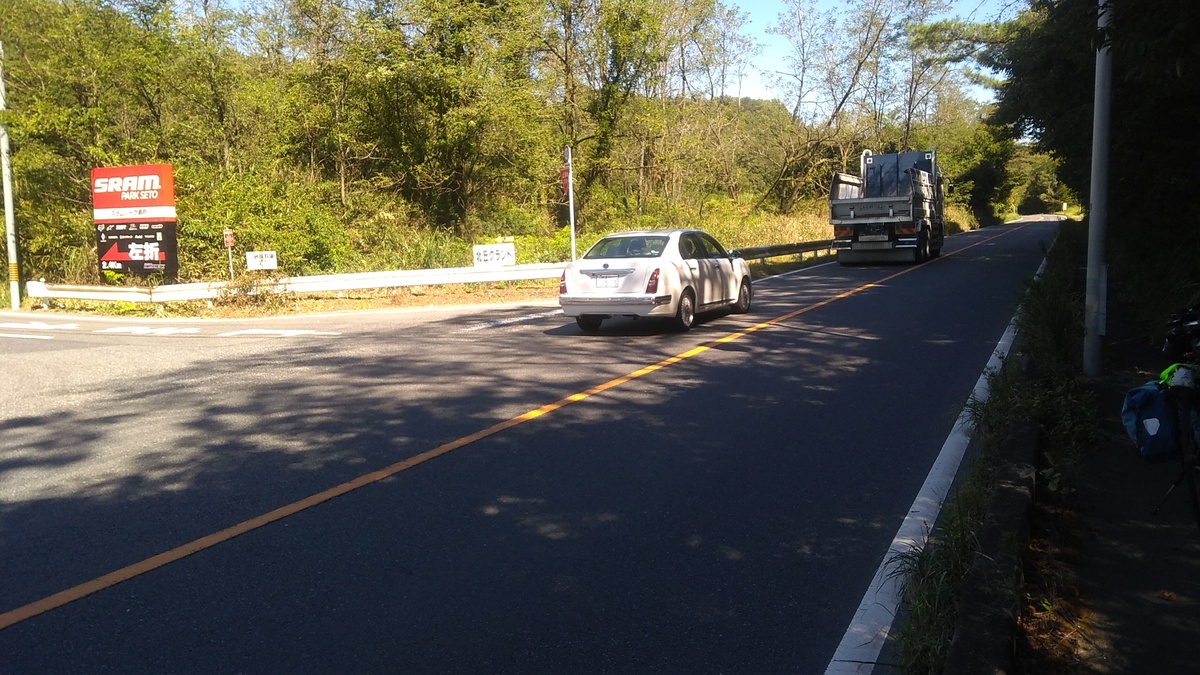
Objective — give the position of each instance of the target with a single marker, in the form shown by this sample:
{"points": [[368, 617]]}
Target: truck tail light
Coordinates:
{"points": [[562, 283], [652, 284], [841, 231], [906, 229]]}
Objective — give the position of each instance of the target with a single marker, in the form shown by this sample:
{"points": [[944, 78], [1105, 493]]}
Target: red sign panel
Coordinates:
{"points": [[128, 194]]}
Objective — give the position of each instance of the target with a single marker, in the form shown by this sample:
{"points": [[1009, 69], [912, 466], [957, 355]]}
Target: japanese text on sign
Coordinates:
{"points": [[494, 255], [261, 260]]}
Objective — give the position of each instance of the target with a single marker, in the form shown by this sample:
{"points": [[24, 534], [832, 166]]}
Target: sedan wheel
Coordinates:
{"points": [[685, 316], [744, 296], [589, 323]]}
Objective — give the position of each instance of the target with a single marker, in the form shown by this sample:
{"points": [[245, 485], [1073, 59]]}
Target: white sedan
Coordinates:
{"points": [[658, 273]]}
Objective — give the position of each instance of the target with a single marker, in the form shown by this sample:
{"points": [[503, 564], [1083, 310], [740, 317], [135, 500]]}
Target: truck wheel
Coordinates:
{"points": [[922, 253]]}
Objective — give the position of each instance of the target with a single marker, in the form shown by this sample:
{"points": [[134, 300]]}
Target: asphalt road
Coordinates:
{"points": [[481, 490]]}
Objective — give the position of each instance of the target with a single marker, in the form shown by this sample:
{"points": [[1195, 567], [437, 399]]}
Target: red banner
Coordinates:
{"points": [[127, 194]]}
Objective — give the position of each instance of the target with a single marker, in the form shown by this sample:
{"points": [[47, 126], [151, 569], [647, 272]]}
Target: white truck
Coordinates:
{"points": [[891, 211]]}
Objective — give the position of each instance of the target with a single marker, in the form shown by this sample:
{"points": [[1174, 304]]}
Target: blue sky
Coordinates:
{"points": [[764, 13]]}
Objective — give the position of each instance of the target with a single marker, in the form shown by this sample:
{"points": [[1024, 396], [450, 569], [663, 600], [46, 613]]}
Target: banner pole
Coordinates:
{"points": [[10, 225], [571, 196]]}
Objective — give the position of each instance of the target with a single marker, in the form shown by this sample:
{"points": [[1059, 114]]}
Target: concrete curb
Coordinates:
{"points": [[983, 636]]}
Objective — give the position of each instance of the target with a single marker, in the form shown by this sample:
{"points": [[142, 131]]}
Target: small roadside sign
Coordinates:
{"points": [[261, 260], [228, 238], [494, 255]]}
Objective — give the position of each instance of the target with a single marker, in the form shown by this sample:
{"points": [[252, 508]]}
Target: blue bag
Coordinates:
{"points": [[1147, 419]]}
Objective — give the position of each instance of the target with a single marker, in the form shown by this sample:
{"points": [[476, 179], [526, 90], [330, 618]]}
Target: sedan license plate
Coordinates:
{"points": [[607, 281]]}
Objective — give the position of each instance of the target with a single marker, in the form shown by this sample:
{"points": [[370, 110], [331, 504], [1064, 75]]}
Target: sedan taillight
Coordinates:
{"points": [[562, 283], [652, 284]]}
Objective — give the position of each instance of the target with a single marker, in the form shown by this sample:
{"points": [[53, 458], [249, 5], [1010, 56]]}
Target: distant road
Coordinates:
{"points": [[482, 490]]}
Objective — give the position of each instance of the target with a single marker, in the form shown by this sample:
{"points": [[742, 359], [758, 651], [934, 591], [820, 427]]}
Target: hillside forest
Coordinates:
{"points": [[355, 135]]}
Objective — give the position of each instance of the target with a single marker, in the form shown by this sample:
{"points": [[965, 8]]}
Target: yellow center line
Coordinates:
{"points": [[87, 588]]}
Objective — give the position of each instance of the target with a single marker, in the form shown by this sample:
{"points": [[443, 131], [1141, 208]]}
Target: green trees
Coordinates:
{"points": [[339, 132], [1049, 59], [449, 108]]}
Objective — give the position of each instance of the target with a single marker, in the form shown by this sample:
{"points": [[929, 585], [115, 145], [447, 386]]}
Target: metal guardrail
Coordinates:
{"points": [[351, 282], [313, 284], [760, 252]]}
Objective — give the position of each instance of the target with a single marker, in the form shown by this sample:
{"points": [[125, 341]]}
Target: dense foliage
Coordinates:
{"points": [[365, 134], [1049, 59]]}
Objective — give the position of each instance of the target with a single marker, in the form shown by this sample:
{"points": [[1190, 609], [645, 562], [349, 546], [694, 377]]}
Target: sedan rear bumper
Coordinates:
{"points": [[616, 305]]}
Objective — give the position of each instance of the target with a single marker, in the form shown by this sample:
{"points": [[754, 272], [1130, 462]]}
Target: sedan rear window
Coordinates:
{"points": [[627, 247]]}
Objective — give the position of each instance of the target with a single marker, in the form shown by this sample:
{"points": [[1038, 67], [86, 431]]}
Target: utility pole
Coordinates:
{"points": [[1096, 291], [10, 226]]}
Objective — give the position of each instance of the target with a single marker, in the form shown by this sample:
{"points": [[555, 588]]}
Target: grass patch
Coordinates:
{"points": [[933, 578]]}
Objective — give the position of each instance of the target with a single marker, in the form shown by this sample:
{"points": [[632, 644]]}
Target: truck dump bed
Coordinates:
{"points": [[886, 175], [892, 211]]}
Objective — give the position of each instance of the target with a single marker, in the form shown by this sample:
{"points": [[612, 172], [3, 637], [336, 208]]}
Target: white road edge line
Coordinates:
{"points": [[858, 652], [27, 337]]}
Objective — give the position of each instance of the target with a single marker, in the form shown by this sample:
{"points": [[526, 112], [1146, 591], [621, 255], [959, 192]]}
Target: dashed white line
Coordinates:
{"points": [[41, 325], [146, 330], [264, 332]]}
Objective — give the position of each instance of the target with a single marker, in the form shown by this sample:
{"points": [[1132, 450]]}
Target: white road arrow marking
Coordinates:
{"points": [[505, 322]]}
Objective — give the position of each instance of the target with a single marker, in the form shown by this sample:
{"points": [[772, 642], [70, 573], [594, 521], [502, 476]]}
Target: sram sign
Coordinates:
{"points": [[124, 194], [134, 210], [130, 187]]}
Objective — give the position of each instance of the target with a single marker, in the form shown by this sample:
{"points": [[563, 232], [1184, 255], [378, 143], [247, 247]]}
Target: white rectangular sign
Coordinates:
{"points": [[261, 260], [494, 255]]}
